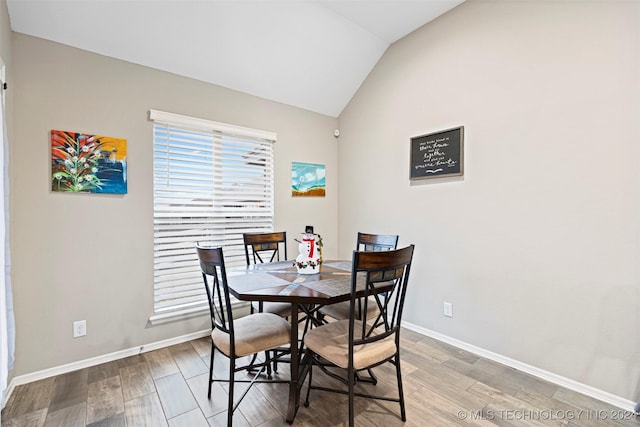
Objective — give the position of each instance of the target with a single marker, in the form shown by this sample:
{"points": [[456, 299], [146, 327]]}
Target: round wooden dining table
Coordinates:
{"points": [[280, 282]]}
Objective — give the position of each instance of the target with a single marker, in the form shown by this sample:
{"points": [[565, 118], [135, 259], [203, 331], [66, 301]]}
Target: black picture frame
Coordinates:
{"points": [[438, 154]]}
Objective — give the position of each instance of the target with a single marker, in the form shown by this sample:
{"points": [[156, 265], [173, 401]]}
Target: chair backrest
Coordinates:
{"points": [[376, 242], [385, 275], [265, 247], [214, 276]]}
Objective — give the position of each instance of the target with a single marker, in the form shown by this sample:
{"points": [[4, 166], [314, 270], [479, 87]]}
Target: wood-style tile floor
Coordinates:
{"points": [[443, 385]]}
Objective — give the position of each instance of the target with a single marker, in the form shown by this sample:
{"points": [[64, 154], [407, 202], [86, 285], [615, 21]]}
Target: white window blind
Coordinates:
{"points": [[212, 182]]}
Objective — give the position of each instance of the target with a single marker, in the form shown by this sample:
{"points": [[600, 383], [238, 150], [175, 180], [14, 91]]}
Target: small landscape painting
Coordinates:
{"points": [[83, 163], [307, 179]]}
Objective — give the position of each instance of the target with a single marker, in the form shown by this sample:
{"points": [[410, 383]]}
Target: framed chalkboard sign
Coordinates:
{"points": [[437, 155]]}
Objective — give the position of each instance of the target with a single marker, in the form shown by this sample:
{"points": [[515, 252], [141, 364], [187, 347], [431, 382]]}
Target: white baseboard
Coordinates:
{"points": [[69, 367], [587, 390]]}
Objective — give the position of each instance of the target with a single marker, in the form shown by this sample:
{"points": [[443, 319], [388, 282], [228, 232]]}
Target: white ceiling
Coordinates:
{"points": [[309, 54]]}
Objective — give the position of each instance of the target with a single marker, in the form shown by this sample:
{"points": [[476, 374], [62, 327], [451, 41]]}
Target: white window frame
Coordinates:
{"points": [[239, 195]]}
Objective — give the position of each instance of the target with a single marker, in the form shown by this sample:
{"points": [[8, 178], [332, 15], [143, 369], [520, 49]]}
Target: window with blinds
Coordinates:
{"points": [[212, 182]]}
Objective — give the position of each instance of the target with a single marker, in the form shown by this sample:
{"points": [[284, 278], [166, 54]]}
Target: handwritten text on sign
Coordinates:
{"points": [[437, 154]]}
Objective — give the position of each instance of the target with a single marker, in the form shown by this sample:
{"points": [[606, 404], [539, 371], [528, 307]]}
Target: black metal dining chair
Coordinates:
{"points": [[239, 337], [368, 243], [376, 242], [343, 348], [266, 247]]}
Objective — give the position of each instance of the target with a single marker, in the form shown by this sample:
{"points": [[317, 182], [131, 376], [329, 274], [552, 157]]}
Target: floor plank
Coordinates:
{"points": [[31, 419], [218, 402], [70, 390], [28, 398], [136, 381], [145, 411], [68, 416], [443, 386], [175, 395], [161, 363], [117, 420], [104, 399], [189, 362], [103, 371], [193, 418]]}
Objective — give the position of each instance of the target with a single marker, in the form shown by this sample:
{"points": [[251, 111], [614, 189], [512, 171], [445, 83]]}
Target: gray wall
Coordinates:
{"points": [[537, 247], [91, 256]]}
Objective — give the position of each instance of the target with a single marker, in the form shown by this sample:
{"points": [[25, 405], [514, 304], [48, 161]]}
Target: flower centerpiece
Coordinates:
{"points": [[310, 257]]}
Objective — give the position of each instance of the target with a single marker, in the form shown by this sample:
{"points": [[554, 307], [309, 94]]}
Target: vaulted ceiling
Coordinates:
{"points": [[312, 54]]}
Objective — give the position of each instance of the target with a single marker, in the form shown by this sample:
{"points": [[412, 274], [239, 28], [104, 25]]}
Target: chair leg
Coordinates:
{"points": [[403, 415], [351, 378], [211, 369], [266, 355], [374, 379], [232, 368]]}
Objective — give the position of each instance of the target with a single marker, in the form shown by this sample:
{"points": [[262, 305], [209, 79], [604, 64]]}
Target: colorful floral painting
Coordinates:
{"points": [[307, 179], [88, 163]]}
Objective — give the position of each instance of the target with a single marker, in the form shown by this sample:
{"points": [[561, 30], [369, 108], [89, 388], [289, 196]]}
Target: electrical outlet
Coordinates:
{"points": [[448, 309], [79, 328]]}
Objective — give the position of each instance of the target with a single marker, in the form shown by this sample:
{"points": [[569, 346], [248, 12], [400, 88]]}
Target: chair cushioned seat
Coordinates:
{"points": [[331, 341], [280, 308], [254, 333], [340, 310]]}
